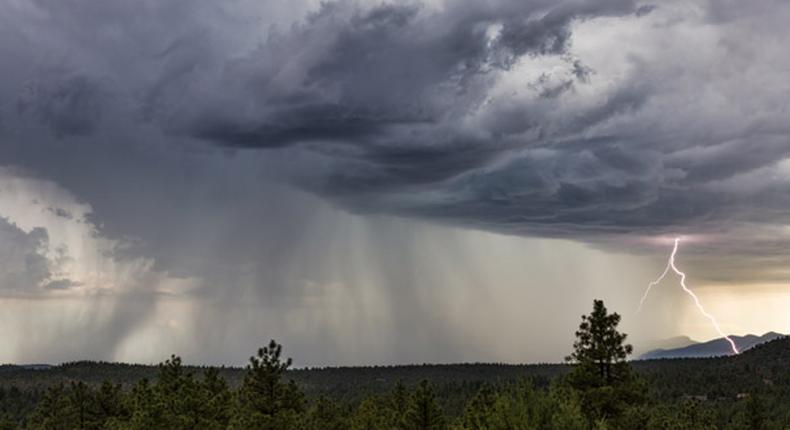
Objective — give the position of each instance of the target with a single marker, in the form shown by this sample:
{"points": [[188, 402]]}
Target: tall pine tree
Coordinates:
{"points": [[601, 374]]}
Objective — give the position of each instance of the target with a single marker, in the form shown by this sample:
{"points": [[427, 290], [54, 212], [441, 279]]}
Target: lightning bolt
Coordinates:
{"points": [[671, 266]]}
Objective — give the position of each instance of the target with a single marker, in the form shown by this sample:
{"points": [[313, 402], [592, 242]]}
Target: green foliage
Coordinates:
{"points": [[605, 381], [373, 414], [599, 352], [76, 406], [327, 415], [218, 399], [178, 400], [264, 401], [481, 412], [423, 412], [522, 407]]}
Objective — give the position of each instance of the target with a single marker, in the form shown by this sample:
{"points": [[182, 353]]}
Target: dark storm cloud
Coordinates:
{"points": [[68, 105], [495, 115], [381, 94], [162, 134], [356, 75]]}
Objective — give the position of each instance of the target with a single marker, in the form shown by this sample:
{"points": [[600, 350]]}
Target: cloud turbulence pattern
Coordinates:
{"points": [[479, 113], [601, 121]]}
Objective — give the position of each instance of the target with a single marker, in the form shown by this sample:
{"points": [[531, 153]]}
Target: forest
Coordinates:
{"points": [[596, 388]]}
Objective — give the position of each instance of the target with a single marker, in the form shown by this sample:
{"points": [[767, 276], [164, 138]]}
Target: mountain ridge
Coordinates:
{"points": [[712, 348]]}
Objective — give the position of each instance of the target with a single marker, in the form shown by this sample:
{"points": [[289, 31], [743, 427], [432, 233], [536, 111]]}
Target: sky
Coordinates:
{"points": [[374, 182]]}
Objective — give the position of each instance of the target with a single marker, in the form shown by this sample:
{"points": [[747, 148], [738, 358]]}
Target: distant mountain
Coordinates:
{"points": [[642, 347], [713, 348]]}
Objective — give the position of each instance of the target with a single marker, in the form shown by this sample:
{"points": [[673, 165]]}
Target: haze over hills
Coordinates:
{"points": [[647, 346], [674, 347], [712, 348]]}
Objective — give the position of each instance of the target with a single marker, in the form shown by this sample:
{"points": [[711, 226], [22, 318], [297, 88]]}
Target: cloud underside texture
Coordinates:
{"points": [[583, 119], [149, 153]]}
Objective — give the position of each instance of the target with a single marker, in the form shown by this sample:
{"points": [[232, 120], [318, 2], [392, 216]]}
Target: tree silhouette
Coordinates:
{"points": [[264, 400], [599, 346], [601, 374]]}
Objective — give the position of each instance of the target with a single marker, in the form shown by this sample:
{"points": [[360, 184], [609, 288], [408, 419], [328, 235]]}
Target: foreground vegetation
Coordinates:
{"points": [[596, 389]]}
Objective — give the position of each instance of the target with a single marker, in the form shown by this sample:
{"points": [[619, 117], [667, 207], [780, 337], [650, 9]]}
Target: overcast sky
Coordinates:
{"points": [[386, 182]]}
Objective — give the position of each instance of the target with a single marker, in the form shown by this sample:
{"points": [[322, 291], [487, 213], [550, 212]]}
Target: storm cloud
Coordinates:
{"points": [[477, 113], [179, 131], [513, 116]]}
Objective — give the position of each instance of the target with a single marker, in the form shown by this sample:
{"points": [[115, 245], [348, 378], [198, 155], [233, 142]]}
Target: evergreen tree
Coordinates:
{"points": [[83, 407], [601, 373], [143, 404], [599, 351], [178, 397], [327, 415], [217, 397], [480, 411], [423, 412], [372, 415], [264, 400], [72, 407], [694, 417], [755, 413], [398, 403], [51, 411], [111, 402], [179, 401], [563, 410]]}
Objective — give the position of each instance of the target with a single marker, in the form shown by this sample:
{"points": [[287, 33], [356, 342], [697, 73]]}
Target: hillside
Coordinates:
{"points": [[760, 369], [713, 348], [647, 346], [721, 386], [719, 376]]}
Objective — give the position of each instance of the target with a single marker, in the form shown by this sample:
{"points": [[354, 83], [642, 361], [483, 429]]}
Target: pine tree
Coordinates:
{"points": [[178, 395], [398, 403], [423, 412], [599, 350], [82, 406], [217, 395], [264, 401], [178, 400], [371, 415], [52, 411], [601, 374], [68, 407], [479, 412], [111, 403], [327, 415], [755, 413]]}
